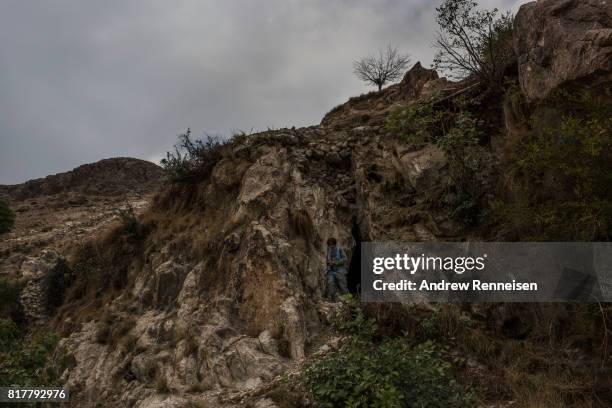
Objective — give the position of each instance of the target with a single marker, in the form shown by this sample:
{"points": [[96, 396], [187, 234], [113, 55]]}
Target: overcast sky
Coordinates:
{"points": [[85, 80]]}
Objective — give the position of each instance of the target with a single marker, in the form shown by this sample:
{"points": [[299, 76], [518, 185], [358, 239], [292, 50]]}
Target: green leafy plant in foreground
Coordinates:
{"points": [[388, 373], [23, 360], [470, 167]]}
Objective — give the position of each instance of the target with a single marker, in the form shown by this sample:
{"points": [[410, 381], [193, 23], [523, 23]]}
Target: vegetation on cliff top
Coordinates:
{"points": [[385, 67], [473, 42], [550, 181], [192, 159]]}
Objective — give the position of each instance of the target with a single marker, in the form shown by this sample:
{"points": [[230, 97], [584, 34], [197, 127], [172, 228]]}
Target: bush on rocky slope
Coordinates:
{"points": [[23, 360], [390, 372], [192, 159], [460, 133], [98, 270], [419, 122], [10, 306], [23, 355], [129, 220], [533, 357], [560, 170], [55, 284], [7, 218]]}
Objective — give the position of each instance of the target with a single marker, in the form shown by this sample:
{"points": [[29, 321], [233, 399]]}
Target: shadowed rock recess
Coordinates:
{"points": [[217, 289]]}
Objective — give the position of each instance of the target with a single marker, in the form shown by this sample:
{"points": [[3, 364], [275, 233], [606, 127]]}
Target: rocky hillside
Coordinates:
{"points": [[222, 290], [55, 212], [216, 291]]}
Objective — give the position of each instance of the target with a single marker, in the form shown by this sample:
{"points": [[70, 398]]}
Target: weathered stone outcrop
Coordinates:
{"points": [[411, 86], [34, 270], [362, 112], [227, 291], [559, 41]]}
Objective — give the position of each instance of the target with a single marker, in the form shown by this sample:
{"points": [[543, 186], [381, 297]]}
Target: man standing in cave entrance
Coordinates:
{"points": [[336, 271]]}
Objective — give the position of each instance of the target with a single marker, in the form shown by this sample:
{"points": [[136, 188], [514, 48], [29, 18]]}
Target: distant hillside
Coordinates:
{"points": [[108, 177]]}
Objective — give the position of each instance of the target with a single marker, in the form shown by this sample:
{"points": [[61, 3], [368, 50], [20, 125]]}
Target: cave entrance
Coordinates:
{"points": [[354, 272]]}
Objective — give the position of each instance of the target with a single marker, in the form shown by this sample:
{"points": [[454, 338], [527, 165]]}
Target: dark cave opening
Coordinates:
{"points": [[354, 272]]}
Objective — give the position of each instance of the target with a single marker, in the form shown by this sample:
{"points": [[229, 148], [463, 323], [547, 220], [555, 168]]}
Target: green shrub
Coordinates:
{"points": [[10, 306], [561, 171], [418, 122], [129, 220], [459, 134], [24, 363], [352, 320], [470, 167], [192, 159], [7, 218], [55, 284], [393, 373], [9, 333], [387, 373]]}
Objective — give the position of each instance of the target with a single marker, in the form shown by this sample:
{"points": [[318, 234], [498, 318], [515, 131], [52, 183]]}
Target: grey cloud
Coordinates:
{"points": [[85, 80]]}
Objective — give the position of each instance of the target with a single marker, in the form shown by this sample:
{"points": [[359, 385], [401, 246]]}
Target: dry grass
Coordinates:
{"points": [[558, 363], [302, 224], [114, 330], [161, 384], [548, 368], [188, 338]]}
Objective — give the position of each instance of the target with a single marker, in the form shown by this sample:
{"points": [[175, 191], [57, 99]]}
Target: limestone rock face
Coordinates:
{"points": [[559, 41], [224, 289], [34, 269]]}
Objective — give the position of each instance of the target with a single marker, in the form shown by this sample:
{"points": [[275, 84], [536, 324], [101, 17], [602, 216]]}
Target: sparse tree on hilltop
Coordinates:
{"points": [[388, 66], [472, 41]]}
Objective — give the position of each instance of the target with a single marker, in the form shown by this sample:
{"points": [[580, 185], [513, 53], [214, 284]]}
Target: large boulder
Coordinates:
{"points": [[415, 79], [559, 41]]}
